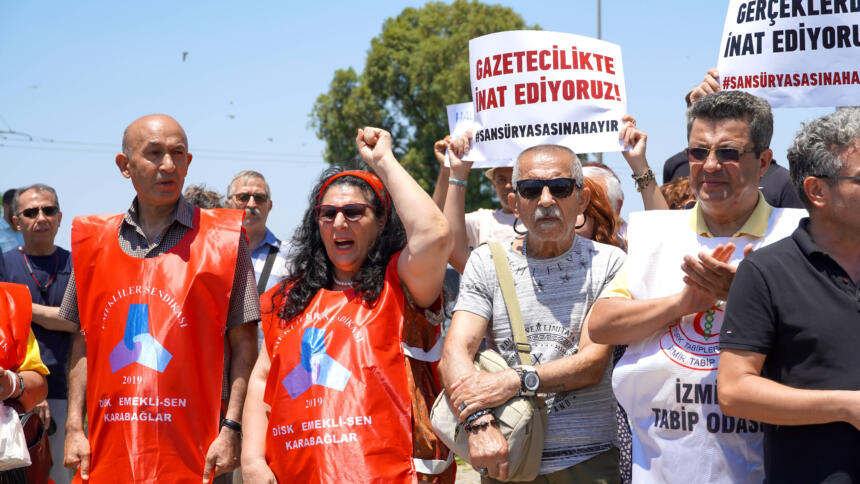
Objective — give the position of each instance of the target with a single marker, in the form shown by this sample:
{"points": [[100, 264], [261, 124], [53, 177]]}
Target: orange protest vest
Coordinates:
{"points": [[154, 331], [16, 310], [339, 390]]}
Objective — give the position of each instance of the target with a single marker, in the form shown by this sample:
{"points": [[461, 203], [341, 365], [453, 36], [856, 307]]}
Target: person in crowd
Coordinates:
{"points": [[10, 238], [789, 346], [556, 275], [598, 221], [346, 340], [22, 373], [250, 192], [481, 226], [201, 196], [154, 291], [775, 184], [45, 269], [668, 301], [678, 194], [606, 178]]}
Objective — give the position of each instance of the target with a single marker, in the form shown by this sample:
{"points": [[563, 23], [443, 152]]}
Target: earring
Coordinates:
{"points": [[583, 222], [515, 228]]}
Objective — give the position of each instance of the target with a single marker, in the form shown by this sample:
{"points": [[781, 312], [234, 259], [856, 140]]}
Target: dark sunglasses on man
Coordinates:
{"points": [[558, 187], [33, 212], [352, 212], [245, 197], [730, 155]]}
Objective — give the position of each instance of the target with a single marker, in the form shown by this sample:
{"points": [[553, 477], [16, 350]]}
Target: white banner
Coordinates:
{"points": [[461, 118], [793, 53], [534, 87]]}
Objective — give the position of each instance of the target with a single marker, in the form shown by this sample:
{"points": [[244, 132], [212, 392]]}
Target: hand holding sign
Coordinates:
{"points": [[708, 85], [457, 149]]}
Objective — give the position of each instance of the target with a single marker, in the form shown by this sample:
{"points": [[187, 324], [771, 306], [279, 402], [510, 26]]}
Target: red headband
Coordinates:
{"points": [[371, 179]]}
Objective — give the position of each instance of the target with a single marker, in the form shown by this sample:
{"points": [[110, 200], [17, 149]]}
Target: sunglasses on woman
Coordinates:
{"points": [[352, 212], [558, 187], [33, 212]]}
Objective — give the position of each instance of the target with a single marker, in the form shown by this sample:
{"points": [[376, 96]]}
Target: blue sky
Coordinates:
{"points": [[76, 73]]}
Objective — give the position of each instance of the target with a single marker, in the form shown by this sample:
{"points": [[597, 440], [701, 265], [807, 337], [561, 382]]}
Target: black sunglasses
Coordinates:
{"points": [[700, 155], [352, 212], [258, 197], [33, 212], [558, 187]]}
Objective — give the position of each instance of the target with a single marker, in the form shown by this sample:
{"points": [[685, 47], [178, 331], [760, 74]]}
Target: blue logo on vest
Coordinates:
{"points": [[137, 345], [316, 367]]}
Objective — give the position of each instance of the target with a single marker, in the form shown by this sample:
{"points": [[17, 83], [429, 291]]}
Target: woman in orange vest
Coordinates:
{"points": [[22, 373], [342, 386]]}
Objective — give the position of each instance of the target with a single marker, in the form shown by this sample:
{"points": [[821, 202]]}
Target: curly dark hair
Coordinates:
{"points": [[311, 269]]}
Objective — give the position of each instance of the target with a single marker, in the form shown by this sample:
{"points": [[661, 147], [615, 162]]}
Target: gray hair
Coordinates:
{"points": [[575, 165], [818, 144], [39, 187], [613, 184], [247, 175], [725, 105], [201, 196]]}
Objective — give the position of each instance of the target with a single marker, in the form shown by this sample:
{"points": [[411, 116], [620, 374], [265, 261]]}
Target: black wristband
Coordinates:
{"points": [[232, 425], [478, 414]]}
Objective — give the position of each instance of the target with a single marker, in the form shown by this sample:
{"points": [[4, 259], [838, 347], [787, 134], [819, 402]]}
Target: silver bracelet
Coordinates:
{"points": [[455, 181]]}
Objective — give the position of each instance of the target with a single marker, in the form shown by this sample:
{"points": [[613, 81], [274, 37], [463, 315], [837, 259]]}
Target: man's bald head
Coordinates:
{"points": [[142, 126]]}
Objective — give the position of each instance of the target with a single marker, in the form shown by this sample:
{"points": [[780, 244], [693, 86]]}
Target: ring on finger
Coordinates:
{"points": [[483, 471], [463, 406]]}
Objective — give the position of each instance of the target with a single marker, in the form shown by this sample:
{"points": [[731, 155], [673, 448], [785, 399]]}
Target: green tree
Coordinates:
{"points": [[414, 68]]}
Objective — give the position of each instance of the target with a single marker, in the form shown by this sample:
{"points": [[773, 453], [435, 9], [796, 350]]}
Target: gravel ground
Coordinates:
{"points": [[465, 474]]}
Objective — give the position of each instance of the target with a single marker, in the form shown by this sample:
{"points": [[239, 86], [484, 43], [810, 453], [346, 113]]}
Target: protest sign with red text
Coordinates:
{"points": [[793, 53], [535, 87]]}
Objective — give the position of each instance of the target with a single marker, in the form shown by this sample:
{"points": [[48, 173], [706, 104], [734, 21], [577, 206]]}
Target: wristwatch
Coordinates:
{"points": [[529, 380]]}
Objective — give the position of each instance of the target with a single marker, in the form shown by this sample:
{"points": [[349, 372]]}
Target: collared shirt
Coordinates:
{"points": [[280, 269], [792, 302], [244, 304], [755, 226], [9, 239]]}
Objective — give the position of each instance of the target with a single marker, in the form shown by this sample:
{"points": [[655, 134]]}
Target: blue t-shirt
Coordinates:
{"points": [[53, 345]]}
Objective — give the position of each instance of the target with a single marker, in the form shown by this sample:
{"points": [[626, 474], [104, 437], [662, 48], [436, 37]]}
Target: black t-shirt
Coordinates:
{"points": [[53, 345], [775, 184], [792, 302], [2, 269]]}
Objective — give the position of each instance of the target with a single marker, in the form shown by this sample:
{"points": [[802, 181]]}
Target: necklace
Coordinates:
{"points": [[525, 252], [343, 283], [42, 289]]}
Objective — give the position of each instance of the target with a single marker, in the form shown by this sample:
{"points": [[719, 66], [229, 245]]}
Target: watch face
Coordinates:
{"points": [[531, 381]]}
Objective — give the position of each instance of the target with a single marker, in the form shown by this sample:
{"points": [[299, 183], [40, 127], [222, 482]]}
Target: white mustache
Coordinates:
{"points": [[541, 212], [253, 211]]}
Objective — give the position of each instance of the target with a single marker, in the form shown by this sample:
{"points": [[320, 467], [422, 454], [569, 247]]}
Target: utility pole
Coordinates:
{"points": [[599, 155]]}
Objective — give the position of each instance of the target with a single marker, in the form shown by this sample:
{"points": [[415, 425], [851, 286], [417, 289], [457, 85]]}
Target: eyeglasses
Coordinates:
{"points": [[352, 212], [245, 197], [558, 187], [839, 177], [700, 155], [33, 212]]}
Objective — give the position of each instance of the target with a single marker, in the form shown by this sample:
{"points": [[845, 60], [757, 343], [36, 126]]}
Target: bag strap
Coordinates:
{"points": [[506, 282], [267, 269]]}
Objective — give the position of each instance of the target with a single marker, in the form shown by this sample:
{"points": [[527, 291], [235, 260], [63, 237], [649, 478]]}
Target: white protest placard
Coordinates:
{"points": [[461, 118], [535, 87], [793, 53]]}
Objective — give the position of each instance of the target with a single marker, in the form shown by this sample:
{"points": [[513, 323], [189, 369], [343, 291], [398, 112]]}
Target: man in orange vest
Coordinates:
{"points": [[154, 291]]}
